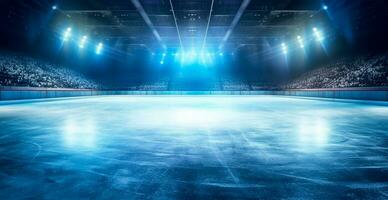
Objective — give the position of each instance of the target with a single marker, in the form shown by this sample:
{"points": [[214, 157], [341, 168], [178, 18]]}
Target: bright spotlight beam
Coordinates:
{"points": [[284, 48], [176, 25], [83, 41], [207, 26], [234, 23], [317, 34], [148, 21], [300, 41], [67, 34], [99, 48]]}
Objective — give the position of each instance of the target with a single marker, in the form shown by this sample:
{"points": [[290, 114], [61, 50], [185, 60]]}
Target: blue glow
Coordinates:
{"points": [[190, 57], [83, 41], [300, 41], [163, 58], [284, 48], [54, 7], [99, 48], [325, 7], [67, 34], [318, 34]]}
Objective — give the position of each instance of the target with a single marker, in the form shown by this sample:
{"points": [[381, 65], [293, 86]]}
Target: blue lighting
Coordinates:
{"points": [[67, 34], [325, 7], [317, 34], [191, 57], [54, 7], [300, 42], [284, 48], [83, 41], [163, 58], [99, 48]]}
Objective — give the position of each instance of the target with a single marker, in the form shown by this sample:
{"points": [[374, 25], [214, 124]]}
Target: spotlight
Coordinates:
{"points": [[99, 48], [318, 35], [325, 7], [164, 54], [284, 48], [192, 55], [67, 34], [161, 62], [183, 56], [82, 42], [300, 41], [221, 54], [54, 7]]}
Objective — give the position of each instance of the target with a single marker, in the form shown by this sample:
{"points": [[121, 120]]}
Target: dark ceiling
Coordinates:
{"points": [[231, 24], [187, 24]]}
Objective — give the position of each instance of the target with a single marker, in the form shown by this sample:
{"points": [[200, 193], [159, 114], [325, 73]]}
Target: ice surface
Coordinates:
{"points": [[193, 147]]}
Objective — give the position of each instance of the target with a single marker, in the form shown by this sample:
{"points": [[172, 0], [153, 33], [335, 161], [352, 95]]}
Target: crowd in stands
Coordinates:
{"points": [[161, 85], [262, 86], [230, 83], [19, 70], [372, 71], [364, 71]]}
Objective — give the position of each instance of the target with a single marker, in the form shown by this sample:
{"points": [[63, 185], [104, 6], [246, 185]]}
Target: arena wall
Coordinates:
{"points": [[371, 94], [18, 93]]}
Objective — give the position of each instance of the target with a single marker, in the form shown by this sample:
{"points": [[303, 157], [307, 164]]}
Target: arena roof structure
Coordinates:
{"points": [[181, 24]]}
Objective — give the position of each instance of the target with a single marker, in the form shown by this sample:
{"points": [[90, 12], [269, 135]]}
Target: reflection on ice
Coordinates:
{"points": [[182, 118], [193, 147], [195, 117], [313, 134], [79, 133], [189, 116]]}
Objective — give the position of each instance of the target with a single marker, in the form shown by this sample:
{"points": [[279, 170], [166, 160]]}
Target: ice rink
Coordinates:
{"points": [[193, 147]]}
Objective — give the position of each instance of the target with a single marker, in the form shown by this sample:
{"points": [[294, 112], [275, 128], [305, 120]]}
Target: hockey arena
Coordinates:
{"points": [[193, 99]]}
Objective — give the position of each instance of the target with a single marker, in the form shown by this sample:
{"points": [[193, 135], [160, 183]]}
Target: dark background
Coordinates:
{"points": [[356, 27]]}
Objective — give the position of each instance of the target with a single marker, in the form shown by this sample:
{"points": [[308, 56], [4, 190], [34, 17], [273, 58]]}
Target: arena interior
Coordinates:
{"points": [[194, 99]]}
